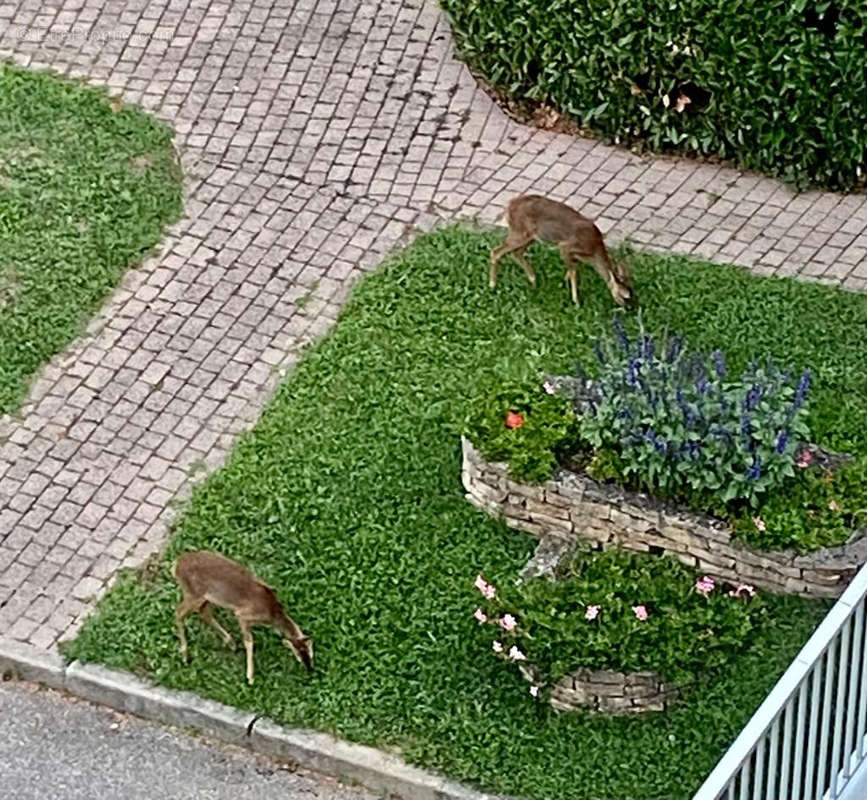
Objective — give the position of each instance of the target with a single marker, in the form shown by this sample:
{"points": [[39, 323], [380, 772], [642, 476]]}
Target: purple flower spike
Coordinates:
{"points": [[646, 347], [753, 397], [634, 366], [755, 471], [620, 333], [803, 387], [600, 356], [675, 345]]}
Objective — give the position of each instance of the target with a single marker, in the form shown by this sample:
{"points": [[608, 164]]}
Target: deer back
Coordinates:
{"points": [[224, 582]]}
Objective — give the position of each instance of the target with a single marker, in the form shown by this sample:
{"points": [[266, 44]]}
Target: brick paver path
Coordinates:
{"points": [[314, 135]]}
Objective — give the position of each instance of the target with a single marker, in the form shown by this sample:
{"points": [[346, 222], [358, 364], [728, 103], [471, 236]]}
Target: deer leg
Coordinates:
{"points": [[528, 270], [571, 272], [492, 276], [207, 612], [247, 636], [513, 242], [573, 281], [185, 608]]}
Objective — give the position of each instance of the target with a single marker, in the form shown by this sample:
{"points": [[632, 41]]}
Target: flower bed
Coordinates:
{"points": [[660, 419], [575, 506], [638, 629]]}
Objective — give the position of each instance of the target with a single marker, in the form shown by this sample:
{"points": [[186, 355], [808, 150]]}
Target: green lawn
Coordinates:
{"points": [[347, 497], [85, 192]]}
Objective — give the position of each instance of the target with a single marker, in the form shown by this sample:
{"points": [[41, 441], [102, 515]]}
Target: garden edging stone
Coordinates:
{"points": [[576, 507], [376, 770], [608, 691]]}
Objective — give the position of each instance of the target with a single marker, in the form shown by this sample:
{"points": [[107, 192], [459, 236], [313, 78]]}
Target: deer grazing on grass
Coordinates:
{"points": [[532, 217], [208, 579]]}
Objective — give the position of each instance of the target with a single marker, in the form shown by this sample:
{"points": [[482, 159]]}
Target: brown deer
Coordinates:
{"points": [[532, 217], [208, 579]]}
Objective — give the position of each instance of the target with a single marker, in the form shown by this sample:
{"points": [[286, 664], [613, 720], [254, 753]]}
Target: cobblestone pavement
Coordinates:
{"points": [[314, 135]]}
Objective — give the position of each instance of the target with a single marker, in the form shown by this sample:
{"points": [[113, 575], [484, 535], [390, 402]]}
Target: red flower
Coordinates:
{"points": [[514, 420]]}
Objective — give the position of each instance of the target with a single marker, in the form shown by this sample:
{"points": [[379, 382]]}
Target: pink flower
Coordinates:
{"points": [[743, 589], [508, 622], [514, 420], [516, 655], [480, 616], [640, 612], [497, 647], [705, 585], [759, 523], [592, 612], [804, 459], [534, 690], [485, 588]]}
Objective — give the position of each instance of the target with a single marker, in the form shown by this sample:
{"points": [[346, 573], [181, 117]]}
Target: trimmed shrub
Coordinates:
{"points": [[776, 86]]}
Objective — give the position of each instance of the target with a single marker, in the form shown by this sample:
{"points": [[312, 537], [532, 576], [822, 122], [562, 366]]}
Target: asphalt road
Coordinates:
{"points": [[54, 747]]}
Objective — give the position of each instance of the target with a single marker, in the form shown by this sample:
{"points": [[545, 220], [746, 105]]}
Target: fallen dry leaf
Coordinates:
{"points": [[635, 90], [547, 117], [682, 102]]}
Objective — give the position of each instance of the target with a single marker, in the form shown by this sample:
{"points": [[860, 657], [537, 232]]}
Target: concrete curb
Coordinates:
{"points": [[320, 752]]}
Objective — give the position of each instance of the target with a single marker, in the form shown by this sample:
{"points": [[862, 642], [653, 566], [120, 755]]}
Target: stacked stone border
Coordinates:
{"points": [[576, 507], [610, 692]]}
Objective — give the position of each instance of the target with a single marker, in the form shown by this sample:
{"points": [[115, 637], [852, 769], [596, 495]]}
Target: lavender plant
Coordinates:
{"points": [[675, 417]]}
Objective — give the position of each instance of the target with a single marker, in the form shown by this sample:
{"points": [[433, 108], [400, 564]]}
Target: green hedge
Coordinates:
{"points": [[775, 86]]}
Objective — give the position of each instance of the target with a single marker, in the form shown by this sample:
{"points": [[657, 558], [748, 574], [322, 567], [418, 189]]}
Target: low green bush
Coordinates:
{"points": [[776, 86], [523, 426], [815, 510], [620, 611]]}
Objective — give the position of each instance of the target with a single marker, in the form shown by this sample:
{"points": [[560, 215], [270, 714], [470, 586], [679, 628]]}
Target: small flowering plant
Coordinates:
{"points": [[622, 611], [818, 509], [672, 417], [524, 425]]}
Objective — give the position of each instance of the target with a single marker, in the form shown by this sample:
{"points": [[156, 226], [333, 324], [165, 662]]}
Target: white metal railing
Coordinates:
{"points": [[807, 738]]}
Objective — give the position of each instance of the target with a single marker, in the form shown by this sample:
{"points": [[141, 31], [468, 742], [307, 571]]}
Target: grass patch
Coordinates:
{"points": [[347, 497], [86, 188]]}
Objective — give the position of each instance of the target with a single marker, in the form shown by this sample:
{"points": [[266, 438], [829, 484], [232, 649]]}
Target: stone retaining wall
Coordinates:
{"points": [[612, 692], [575, 506]]}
